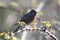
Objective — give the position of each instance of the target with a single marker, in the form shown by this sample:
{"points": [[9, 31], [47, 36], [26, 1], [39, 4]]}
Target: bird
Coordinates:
{"points": [[26, 19], [29, 17]]}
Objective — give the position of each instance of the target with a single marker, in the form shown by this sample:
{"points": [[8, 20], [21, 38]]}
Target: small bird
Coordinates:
{"points": [[26, 19]]}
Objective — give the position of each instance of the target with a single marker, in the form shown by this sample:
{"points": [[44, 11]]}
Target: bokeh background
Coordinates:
{"points": [[11, 11]]}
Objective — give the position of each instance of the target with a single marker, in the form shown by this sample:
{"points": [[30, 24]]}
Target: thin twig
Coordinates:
{"points": [[37, 29], [53, 36]]}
